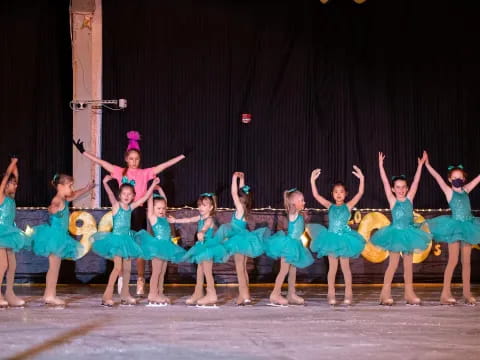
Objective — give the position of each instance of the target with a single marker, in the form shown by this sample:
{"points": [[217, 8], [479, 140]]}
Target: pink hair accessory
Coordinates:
{"points": [[133, 138]]}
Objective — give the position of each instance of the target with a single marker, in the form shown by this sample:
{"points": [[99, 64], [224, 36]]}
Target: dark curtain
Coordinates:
{"points": [[327, 85], [35, 88]]}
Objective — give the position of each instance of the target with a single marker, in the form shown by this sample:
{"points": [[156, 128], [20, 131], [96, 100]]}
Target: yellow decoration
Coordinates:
{"points": [[86, 229], [373, 221], [357, 218], [420, 257], [438, 250], [175, 239], [106, 222], [306, 239]]}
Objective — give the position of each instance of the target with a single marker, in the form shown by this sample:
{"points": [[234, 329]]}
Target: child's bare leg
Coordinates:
{"points": [[198, 292], [386, 294], [466, 269], [410, 296], [347, 276], [50, 295], [125, 293], [107, 298], [276, 295], [242, 281], [332, 273], [446, 297], [3, 269], [10, 296], [211, 297], [292, 296]]}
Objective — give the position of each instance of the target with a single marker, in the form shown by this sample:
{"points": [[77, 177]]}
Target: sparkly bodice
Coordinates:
{"points": [[161, 229], [402, 214], [338, 216], [7, 211], [200, 225], [240, 223], [60, 218], [296, 227], [460, 205], [122, 221]]}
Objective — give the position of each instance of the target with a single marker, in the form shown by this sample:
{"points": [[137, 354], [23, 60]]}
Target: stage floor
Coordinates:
{"points": [[84, 329]]}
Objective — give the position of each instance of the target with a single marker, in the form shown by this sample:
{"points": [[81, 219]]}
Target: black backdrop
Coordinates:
{"points": [[35, 89], [327, 85]]}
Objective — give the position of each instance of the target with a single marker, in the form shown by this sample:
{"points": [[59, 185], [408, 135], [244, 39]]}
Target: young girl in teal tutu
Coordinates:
{"points": [[402, 236], [12, 239], [339, 241], [238, 240], [207, 250], [119, 245], [52, 240], [289, 248], [158, 248], [460, 229]]}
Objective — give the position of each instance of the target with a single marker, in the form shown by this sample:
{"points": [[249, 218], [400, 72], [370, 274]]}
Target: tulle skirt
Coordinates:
{"points": [[409, 240], [109, 245], [48, 240], [242, 241], [13, 238], [348, 244], [153, 247], [210, 249], [446, 229], [280, 245]]}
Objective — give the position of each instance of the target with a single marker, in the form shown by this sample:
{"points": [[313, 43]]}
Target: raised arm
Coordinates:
{"points": [[447, 190], [234, 190], [313, 178], [416, 180], [208, 224], [160, 167], [361, 187], [11, 168], [80, 192], [173, 220], [104, 164], [148, 194], [150, 201], [108, 190], [386, 184]]}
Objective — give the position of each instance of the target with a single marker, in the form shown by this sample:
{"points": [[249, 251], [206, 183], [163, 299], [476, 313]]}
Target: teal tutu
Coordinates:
{"points": [[242, 241], [409, 240], [48, 240], [210, 249], [348, 244], [163, 249], [13, 238], [280, 245], [446, 229], [109, 245]]}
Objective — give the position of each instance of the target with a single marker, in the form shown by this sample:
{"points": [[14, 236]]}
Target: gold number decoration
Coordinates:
{"points": [[370, 222]]}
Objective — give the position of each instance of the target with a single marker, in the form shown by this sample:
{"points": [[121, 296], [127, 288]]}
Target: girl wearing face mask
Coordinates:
{"points": [[339, 241], [119, 245], [52, 240], [290, 250], [460, 229], [207, 250], [141, 177], [158, 248], [402, 236]]}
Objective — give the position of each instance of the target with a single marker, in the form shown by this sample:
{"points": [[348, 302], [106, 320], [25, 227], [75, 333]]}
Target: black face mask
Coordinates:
{"points": [[458, 183]]}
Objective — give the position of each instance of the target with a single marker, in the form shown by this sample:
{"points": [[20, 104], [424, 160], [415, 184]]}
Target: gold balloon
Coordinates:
{"points": [[86, 230], [106, 222], [357, 217], [306, 239], [373, 221], [420, 257]]}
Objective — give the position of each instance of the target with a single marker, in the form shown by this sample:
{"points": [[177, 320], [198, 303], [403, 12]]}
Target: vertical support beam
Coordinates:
{"points": [[86, 31]]}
